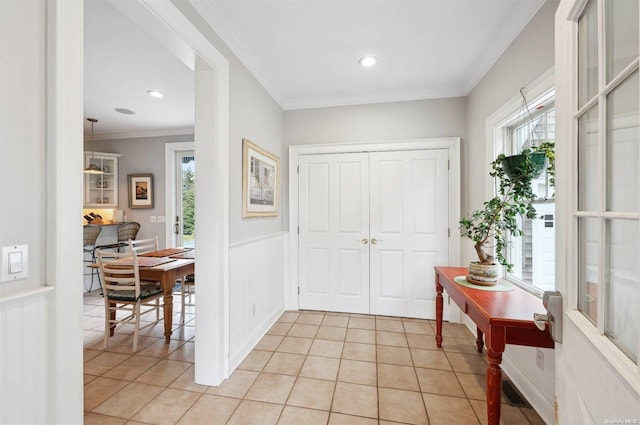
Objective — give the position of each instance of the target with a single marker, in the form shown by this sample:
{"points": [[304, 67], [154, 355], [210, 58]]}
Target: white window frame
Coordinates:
{"points": [[567, 206], [496, 137]]}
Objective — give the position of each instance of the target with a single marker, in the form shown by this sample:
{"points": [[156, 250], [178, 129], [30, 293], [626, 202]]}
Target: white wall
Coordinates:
{"points": [[526, 59]]}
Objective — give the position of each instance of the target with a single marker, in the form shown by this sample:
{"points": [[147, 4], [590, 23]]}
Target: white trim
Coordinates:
{"points": [[260, 238], [183, 131], [170, 176], [450, 143], [172, 29], [32, 293]]}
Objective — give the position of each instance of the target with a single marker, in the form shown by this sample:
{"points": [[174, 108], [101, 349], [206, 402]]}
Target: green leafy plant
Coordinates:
{"points": [[499, 217], [548, 149]]}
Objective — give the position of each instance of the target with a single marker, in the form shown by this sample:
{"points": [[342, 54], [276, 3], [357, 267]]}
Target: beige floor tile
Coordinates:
{"points": [[183, 333], [333, 333], [251, 412], [402, 406], [96, 419], [104, 362], [459, 345], [184, 353], [444, 410], [341, 419], [88, 378], [421, 328], [389, 423], [161, 349], [163, 373], [355, 399], [474, 386], [430, 359], [187, 382], [389, 325], [391, 338], [454, 330], [357, 372], [427, 342], [326, 348], [126, 345], [255, 360], [280, 328], [362, 323], [310, 318], [303, 331], [399, 377], [269, 342], [133, 367], [338, 321], [312, 393], [285, 363], [365, 336], [394, 355], [129, 400], [89, 354], [236, 385], [289, 317], [271, 388], [440, 382], [359, 351], [297, 345], [100, 389], [168, 407], [210, 410], [509, 415], [300, 416], [532, 416], [468, 363], [320, 368]]}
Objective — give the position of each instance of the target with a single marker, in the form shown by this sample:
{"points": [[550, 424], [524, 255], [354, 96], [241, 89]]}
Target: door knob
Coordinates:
{"points": [[364, 241], [375, 241]]}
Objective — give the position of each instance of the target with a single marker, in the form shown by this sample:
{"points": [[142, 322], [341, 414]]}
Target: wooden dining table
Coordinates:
{"points": [[167, 274], [166, 267]]}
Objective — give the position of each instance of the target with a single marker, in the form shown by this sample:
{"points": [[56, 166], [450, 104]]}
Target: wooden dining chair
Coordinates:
{"points": [[125, 295], [126, 231], [90, 235], [187, 288], [142, 246]]}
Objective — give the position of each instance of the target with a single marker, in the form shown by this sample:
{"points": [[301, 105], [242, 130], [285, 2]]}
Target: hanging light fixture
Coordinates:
{"points": [[92, 169]]}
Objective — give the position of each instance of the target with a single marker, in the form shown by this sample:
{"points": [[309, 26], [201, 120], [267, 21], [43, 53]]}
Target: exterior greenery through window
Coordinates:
{"points": [[188, 201]]}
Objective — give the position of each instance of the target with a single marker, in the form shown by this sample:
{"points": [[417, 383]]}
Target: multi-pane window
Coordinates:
{"points": [[608, 206]]}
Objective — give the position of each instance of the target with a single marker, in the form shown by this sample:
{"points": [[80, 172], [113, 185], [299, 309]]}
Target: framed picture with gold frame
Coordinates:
{"points": [[260, 181], [140, 190]]}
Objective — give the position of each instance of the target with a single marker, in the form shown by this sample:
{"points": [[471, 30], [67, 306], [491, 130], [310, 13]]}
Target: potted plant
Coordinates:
{"points": [[489, 227]]}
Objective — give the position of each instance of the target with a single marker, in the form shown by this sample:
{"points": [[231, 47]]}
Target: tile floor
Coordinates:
{"points": [[310, 368]]}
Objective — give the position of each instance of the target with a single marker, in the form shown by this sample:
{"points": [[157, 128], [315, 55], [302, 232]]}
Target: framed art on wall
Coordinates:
{"points": [[260, 181], [140, 190]]}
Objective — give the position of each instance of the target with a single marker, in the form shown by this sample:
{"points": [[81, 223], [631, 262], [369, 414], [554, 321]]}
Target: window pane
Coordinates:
{"points": [[622, 37], [622, 146], [588, 272], [588, 158], [588, 53], [622, 323]]}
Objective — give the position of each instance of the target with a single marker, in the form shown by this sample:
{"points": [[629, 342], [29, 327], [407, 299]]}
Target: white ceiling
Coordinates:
{"points": [[304, 52]]}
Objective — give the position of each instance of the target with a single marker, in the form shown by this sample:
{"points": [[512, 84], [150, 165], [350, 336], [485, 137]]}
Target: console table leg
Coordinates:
{"points": [[494, 387], [439, 309], [479, 340]]}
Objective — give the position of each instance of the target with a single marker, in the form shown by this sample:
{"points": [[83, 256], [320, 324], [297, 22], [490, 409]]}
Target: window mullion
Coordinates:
{"points": [[602, 170]]}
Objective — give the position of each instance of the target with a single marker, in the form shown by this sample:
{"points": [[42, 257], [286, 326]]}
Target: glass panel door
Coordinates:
{"points": [[184, 221]]}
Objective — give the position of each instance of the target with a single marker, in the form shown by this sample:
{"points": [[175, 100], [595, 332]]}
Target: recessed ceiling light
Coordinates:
{"points": [[125, 111], [368, 61], [155, 93]]}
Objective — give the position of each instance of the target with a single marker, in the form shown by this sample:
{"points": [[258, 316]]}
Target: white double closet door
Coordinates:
{"points": [[372, 227]]}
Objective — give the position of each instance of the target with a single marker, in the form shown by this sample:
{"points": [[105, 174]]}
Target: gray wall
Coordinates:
{"points": [[254, 115], [141, 156], [529, 56]]}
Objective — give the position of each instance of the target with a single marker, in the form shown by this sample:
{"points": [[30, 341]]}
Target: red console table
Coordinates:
{"points": [[502, 317]]}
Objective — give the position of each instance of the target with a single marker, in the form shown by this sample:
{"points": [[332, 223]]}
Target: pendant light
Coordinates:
{"points": [[92, 169]]}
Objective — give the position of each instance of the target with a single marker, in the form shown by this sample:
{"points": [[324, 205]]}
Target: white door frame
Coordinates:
{"points": [[64, 111], [450, 143], [170, 180]]}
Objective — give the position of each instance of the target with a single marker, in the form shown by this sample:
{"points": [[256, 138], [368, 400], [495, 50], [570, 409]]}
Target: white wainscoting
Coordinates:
{"points": [[256, 291], [24, 357]]}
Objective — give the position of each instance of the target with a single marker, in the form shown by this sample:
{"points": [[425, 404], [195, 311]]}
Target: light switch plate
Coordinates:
{"points": [[15, 263], [152, 219]]}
